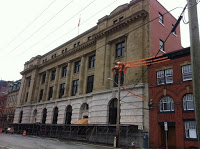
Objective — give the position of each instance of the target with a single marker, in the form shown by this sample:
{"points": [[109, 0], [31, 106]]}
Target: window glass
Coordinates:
{"points": [[166, 104], [188, 102], [190, 129], [187, 72]]}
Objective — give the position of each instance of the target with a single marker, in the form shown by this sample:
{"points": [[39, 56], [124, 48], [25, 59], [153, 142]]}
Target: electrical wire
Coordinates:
{"points": [[70, 29], [63, 23], [41, 27]]}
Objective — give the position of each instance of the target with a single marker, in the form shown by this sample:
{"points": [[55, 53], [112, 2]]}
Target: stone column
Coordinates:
{"points": [[31, 88], [56, 83], [46, 86], [21, 91], [81, 76], [68, 79], [107, 67], [37, 88]]}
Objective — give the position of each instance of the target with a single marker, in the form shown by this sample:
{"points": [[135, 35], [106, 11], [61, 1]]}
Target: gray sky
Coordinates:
{"points": [[34, 27]]}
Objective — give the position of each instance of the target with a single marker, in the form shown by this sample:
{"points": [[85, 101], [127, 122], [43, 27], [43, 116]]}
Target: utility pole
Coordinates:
{"points": [[118, 111], [195, 56]]}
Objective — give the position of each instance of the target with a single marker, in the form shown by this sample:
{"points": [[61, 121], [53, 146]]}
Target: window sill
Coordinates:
{"points": [[161, 23], [191, 139], [188, 111], [187, 80], [167, 112]]}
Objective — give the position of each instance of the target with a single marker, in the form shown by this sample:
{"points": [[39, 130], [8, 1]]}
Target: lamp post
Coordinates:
{"points": [[116, 143]]}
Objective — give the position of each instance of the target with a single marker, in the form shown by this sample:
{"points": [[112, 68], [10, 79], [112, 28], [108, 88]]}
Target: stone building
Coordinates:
{"points": [[172, 103], [71, 81], [12, 100]]}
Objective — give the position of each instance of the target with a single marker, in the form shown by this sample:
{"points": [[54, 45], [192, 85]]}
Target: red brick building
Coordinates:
{"points": [[3, 101], [171, 101]]}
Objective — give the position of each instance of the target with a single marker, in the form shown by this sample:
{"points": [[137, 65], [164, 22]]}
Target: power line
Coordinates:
{"points": [[157, 52], [31, 22], [63, 24], [41, 26], [74, 27]]}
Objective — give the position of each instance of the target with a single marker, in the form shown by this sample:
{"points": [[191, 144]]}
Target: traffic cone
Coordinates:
{"points": [[1, 130], [24, 133]]}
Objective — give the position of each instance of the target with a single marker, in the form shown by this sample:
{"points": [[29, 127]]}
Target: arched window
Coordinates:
{"points": [[166, 104], [113, 111], [68, 115], [44, 115], [34, 116], [84, 110], [20, 116], [188, 102], [55, 115]]}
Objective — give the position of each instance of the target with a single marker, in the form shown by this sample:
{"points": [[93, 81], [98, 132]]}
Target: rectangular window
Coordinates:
{"points": [[116, 79], [162, 45], [115, 21], [26, 97], [29, 81], [75, 87], [43, 78], [161, 20], [77, 66], [120, 49], [64, 71], [190, 129], [50, 92], [187, 72], [62, 90], [174, 30], [53, 75], [89, 38], [92, 61], [165, 76], [90, 83], [41, 94]]}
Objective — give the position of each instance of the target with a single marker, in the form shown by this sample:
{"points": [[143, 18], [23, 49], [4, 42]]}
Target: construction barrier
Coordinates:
{"points": [[24, 133]]}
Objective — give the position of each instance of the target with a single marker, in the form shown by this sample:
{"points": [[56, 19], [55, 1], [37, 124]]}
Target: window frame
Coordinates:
{"points": [[53, 75], [50, 93], [43, 78], [161, 18], [77, 66], [166, 102], [187, 73], [90, 84], [64, 71], [62, 90], [120, 49], [75, 85], [163, 76], [92, 60], [188, 100], [162, 45], [190, 127], [41, 94]]}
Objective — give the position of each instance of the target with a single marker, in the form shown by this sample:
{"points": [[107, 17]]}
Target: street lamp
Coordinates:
{"points": [[116, 142]]}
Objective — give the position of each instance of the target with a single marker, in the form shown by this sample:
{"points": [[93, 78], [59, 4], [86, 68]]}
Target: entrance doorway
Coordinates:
{"points": [[171, 137]]}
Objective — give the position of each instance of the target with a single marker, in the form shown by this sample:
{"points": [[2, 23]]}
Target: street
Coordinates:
{"points": [[13, 141]]}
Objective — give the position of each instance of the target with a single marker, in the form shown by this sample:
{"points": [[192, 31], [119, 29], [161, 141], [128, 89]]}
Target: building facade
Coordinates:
{"points": [[171, 102], [71, 82], [12, 100]]}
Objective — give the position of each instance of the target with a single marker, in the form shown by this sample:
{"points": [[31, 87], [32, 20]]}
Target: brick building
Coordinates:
{"points": [[171, 101], [71, 81]]}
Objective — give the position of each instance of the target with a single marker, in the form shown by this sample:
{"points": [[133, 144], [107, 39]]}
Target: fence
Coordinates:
{"points": [[100, 134]]}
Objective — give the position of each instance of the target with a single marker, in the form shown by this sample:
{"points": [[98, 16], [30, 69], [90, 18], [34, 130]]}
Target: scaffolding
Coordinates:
{"points": [[97, 134]]}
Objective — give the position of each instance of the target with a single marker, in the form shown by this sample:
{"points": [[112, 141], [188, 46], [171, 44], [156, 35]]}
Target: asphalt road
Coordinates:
{"points": [[13, 141]]}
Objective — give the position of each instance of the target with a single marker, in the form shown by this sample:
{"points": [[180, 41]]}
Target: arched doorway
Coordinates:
{"points": [[20, 116], [44, 115], [34, 116], [113, 111], [55, 115], [68, 115], [84, 111]]}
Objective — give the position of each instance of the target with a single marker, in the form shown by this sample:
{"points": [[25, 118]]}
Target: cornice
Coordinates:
{"points": [[121, 24]]}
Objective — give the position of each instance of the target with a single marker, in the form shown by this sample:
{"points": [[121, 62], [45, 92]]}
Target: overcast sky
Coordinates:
{"points": [[34, 27]]}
